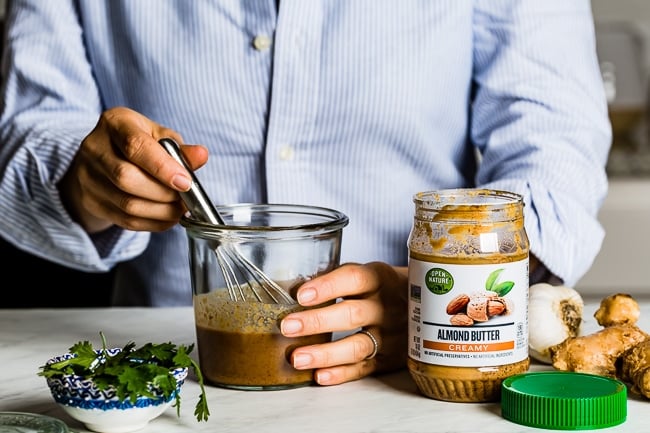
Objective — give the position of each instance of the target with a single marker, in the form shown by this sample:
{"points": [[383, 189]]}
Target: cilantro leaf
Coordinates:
{"points": [[133, 371]]}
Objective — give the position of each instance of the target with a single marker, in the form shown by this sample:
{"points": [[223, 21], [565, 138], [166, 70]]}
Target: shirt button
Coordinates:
{"points": [[286, 153], [261, 42]]}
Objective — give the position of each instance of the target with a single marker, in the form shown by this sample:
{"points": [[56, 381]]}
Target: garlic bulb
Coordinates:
{"points": [[554, 314]]}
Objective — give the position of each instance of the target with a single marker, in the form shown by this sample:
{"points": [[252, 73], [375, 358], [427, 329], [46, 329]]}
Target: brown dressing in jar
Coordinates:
{"points": [[241, 347], [468, 293]]}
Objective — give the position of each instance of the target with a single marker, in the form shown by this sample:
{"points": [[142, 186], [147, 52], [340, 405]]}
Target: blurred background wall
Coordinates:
{"points": [[623, 44]]}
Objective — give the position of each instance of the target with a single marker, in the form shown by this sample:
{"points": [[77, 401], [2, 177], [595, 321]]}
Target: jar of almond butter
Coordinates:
{"points": [[468, 293]]}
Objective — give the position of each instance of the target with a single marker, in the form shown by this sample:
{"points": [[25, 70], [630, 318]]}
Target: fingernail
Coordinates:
{"points": [[302, 360], [181, 182], [290, 326], [323, 377], [306, 294]]}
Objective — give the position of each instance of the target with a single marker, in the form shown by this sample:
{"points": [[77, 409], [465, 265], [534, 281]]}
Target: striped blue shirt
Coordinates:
{"points": [[354, 105]]}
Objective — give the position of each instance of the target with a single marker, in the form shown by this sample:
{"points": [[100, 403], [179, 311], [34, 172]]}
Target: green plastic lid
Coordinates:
{"points": [[561, 400]]}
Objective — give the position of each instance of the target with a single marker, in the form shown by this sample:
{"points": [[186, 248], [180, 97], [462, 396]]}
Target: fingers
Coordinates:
{"points": [[347, 281], [350, 358], [361, 301], [122, 176], [137, 137], [95, 202], [348, 350], [371, 297], [345, 315], [344, 360]]}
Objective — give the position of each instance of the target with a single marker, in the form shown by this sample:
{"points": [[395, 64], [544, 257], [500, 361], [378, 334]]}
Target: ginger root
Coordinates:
{"points": [[621, 349], [634, 368], [596, 353], [618, 309]]}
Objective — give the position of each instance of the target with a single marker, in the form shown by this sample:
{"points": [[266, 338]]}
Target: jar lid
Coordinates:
{"points": [[561, 400]]}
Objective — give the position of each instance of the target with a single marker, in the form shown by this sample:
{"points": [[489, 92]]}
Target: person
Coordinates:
{"points": [[355, 106]]}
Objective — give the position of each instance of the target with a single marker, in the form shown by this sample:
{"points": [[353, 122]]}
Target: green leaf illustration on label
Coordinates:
{"points": [[439, 281], [503, 288], [500, 289], [492, 279]]}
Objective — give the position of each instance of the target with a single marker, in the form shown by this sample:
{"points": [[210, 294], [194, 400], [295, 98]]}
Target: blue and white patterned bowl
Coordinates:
{"points": [[101, 410]]}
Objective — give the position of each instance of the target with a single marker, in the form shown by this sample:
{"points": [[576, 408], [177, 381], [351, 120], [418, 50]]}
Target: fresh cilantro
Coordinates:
{"points": [[132, 370]]}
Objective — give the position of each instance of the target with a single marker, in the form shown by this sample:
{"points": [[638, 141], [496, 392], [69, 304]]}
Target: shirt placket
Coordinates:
{"points": [[294, 96]]}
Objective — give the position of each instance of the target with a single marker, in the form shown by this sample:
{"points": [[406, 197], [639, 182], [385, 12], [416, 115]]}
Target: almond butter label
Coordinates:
{"points": [[468, 315]]}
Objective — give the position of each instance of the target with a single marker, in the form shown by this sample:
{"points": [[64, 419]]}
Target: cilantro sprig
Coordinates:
{"points": [[132, 371]]}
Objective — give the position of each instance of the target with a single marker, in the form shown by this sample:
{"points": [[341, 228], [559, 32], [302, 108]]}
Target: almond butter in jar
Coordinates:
{"points": [[468, 293]]}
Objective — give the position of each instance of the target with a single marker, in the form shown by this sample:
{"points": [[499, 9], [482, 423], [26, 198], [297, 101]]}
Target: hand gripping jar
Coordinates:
{"points": [[468, 293]]}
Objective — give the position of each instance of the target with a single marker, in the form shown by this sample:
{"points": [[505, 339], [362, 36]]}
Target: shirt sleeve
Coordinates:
{"points": [[539, 121], [49, 103]]}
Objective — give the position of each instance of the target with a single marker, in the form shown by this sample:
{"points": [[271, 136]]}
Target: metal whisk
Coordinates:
{"points": [[231, 262]]}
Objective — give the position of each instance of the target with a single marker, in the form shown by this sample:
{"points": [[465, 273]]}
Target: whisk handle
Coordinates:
{"points": [[195, 198]]}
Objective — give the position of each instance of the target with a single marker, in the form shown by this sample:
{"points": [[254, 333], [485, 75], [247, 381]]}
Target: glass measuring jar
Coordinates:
{"points": [[468, 293], [238, 339]]}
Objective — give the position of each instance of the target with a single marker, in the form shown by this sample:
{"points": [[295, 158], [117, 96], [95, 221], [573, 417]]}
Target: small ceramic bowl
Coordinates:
{"points": [[101, 410]]}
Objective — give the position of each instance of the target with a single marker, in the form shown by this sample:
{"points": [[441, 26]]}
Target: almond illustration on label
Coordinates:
{"points": [[458, 304], [467, 309]]}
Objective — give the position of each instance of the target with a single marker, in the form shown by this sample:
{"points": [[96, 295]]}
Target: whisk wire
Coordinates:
{"points": [[230, 261], [228, 273], [262, 287]]}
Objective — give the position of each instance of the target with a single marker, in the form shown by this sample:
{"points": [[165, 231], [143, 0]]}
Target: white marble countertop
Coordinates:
{"points": [[388, 403]]}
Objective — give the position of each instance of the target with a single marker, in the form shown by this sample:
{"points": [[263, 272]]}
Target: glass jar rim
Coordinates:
{"points": [[238, 216], [436, 199]]}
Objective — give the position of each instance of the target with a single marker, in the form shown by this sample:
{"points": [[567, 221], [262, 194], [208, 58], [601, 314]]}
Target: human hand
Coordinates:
{"points": [[374, 298], [122, 176]]}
